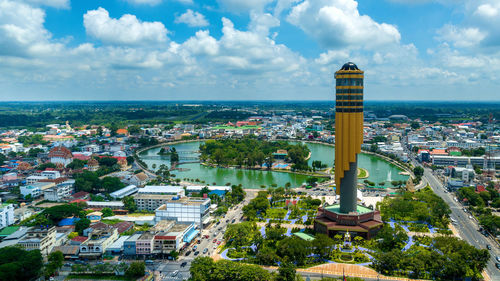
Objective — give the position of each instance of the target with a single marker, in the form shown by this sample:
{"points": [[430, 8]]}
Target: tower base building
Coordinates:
{"points": [[348, 216]]}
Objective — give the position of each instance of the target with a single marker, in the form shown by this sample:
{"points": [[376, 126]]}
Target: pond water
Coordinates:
{"points": [[379, 169]]}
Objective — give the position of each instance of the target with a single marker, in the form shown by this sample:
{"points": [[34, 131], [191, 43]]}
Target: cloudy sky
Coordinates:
{"points": [[247, 49]]}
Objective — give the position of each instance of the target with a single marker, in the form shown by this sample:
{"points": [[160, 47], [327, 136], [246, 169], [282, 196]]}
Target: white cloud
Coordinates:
{"points": [[22, 31], [461, 37], [261, 23], [125, 30], [238, 6], [333, 57], [193, 19], [202, 44], [487, 10], [62, 4], [337, 24]]}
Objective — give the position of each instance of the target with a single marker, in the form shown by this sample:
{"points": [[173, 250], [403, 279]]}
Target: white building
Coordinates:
{"points": [[185, 210], [126, 191], [34, 179], [162, 190], [58, 192], [6, 214], [51, 175], [32, 190]]}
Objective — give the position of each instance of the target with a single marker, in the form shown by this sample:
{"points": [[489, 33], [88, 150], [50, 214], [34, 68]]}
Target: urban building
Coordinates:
{"points": [[99, 239], [348, 216], [6, 214], [162, 190], [60, 155], [126, 191], [185, 210], [59, 192], [129, 245], [170, 236], [39, 238]]}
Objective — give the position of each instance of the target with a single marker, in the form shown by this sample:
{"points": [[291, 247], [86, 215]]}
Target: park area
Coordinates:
{"points": [[415, 241]]}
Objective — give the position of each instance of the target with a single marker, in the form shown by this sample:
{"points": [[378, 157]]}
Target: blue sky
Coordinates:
{"points": [[246, 50]]}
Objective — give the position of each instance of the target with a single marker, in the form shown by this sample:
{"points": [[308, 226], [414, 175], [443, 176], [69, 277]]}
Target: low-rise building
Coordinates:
{"points": [[129, 246], [99, 239], [39, 238], [170, 236], [144, 244], [162, 190], [126, 191], [113, 205], [59, 192]]}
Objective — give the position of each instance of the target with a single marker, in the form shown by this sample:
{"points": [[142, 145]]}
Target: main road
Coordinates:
{"points": [[465, 224]]}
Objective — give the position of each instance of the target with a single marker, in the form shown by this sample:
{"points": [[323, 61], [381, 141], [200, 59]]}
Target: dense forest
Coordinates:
{"points": [[38, 114]]}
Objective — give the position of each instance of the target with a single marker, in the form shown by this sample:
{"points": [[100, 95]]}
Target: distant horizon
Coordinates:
{"points": [[242, 101]]}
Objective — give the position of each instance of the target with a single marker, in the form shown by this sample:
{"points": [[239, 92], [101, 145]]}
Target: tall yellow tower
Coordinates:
{"points": [[348, 133]]}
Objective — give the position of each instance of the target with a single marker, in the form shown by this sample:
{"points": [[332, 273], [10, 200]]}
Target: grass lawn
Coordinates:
{"points": [[276, 213], [99, 277]]}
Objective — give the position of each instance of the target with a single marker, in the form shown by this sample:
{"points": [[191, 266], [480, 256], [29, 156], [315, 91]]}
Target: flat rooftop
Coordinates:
{"points": [[360, 209]]}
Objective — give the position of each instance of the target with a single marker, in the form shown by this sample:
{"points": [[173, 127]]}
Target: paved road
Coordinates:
{"points": [[467, 228]]}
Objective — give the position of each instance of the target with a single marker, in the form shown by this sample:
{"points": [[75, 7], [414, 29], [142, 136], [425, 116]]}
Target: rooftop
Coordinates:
{"points": [[304, 236]]}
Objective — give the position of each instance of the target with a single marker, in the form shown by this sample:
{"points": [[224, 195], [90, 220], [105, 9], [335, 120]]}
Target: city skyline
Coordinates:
{"points": [[247, 50]]}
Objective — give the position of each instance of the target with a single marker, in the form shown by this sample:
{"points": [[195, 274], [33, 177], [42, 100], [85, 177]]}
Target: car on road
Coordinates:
{"points": [[149, 262], [497, 258], [497, 265], [183, 264], [175, 273], [488, 247], [206, 236]]}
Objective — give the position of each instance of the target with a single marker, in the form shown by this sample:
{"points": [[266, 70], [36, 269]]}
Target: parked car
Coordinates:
{"points": [[196, 253], [187, 253], [215, 240], [183, 264], [195, 247], [205, 250], [488, 247]]}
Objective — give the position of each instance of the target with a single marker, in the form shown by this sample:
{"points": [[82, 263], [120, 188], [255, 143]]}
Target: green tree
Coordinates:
{"points": [[111, 184], [202, 269], [294, 250], [107, 212], [18, 264], [81, 225], [286, 272], [418, 171], [76, 164], [136, 269], [322, 245], [129, 203]]}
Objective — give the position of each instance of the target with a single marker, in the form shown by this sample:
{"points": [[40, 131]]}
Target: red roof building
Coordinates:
{"points": [[60, 155]]}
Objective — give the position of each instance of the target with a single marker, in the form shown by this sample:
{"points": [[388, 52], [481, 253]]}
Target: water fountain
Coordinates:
{"points": [[389, 176]]}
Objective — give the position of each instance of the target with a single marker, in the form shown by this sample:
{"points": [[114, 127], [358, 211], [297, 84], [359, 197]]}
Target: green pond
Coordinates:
{"points": [[379, 169]]}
